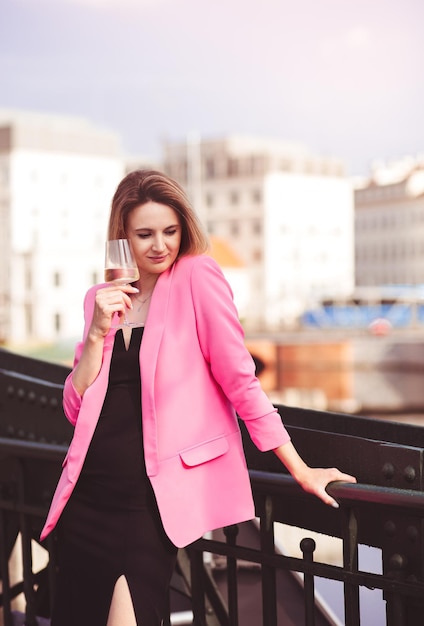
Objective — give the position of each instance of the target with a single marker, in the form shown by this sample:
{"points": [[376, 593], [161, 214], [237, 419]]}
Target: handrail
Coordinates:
{"points": [[348, 492]]}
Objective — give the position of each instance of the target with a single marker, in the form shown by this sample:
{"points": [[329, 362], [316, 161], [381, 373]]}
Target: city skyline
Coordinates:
{"points": [[342, 78]]}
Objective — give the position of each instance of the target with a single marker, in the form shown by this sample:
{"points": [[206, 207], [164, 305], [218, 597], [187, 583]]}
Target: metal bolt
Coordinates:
{"points": [[388, 470], [409, 474], [412, 533], [397, 561], [390, 528]]}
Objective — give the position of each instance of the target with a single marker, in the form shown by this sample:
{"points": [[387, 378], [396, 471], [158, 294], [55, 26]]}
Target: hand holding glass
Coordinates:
{"points": [[120, 267]]}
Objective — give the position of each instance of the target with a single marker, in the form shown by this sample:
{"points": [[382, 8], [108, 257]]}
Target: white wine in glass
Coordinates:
{"points": [[120, 267]]}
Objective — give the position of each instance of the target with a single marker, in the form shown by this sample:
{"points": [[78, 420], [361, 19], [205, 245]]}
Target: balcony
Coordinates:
{"points": [[237, 575]]}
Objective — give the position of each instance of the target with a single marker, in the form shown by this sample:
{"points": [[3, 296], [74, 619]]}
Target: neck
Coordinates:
{"points": [[146, 284]]}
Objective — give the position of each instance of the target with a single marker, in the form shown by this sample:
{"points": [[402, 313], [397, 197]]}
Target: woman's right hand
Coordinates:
{"points": [[108, 301]]}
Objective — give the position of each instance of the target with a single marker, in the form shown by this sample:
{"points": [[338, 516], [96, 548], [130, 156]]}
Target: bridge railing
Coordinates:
{"points": [[385, 509]]}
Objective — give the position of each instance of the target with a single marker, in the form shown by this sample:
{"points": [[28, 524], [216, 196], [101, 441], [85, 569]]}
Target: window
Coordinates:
{"points": [[234, 197], [257, 227], [232, 167], [28, 319], [235, 228], [28, 277], [257, 256], [57, 322], [209, 168], [256, 196]]}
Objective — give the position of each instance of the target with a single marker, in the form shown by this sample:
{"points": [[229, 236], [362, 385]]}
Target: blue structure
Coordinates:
{"points": [[399, 306]]}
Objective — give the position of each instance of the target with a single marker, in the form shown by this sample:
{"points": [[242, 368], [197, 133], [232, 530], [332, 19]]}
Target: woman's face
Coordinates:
{"points": [[154, 231]]}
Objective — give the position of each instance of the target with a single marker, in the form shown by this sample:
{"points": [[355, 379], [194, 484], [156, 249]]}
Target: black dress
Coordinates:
{"points": [[111, 525]]}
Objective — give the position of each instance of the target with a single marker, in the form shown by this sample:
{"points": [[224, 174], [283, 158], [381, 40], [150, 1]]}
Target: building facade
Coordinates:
{"points": [[389, 225], [287, 213], [57, 177]]}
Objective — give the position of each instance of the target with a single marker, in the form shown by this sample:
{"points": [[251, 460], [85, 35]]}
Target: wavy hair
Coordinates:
{"points": [[143, 186]]}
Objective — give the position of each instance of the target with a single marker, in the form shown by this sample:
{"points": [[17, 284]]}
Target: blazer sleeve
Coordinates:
{"points": [[71, 398], [221, 338]]}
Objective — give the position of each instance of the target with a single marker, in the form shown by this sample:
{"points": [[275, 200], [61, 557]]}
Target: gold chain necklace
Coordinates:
{"points": [[142, 302]]}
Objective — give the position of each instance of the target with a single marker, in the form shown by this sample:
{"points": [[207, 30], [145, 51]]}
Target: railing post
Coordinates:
{"points": [[395, 604], [197, 587], [51, 568], [4, 571], [350, 563], [30, 612], [269, 593], [231, 533], [308, 546]]}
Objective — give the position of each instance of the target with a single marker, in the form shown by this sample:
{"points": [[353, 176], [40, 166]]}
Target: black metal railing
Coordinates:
{"points": [[403, 592], [384, 510]]}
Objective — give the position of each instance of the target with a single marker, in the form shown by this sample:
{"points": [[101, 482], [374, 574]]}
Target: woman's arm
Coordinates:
{"points": [[222, 341], [89, 364]]}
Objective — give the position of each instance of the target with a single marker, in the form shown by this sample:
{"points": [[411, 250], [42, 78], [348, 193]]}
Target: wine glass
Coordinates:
{"points": [[120, 268]]}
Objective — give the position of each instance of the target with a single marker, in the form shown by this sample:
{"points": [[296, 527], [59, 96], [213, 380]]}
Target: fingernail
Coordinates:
{"points": [[335, 505]]}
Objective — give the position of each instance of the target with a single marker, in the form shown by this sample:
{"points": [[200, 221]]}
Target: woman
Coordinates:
{"points": [[154, 409]]}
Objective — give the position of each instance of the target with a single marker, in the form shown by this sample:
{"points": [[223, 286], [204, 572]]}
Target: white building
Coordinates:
{"points": [[287, 213], [389, 225], [57, 178]]}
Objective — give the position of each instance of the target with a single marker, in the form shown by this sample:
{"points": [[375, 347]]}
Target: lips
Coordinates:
{"points": [[158, 259]]}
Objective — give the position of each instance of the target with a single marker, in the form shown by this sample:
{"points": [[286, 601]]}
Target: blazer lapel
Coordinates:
{"points": [[149, 351]]}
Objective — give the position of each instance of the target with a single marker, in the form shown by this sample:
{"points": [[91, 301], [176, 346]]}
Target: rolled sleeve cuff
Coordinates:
{"points": [[267, 432], [71, 400]]}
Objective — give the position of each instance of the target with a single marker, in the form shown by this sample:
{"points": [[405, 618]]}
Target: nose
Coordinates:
{"points": [[158, 243]]}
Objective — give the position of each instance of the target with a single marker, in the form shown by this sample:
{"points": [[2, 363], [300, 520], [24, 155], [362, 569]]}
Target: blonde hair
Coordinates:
{"points": [[143, 186]]}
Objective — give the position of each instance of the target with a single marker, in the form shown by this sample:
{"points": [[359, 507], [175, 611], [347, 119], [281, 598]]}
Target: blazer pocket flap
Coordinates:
{"points": [[205, 452]]}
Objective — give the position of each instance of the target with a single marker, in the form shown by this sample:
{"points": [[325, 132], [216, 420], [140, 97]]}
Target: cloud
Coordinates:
{"points": [[358, 38], [354, 40], [102, 4]]}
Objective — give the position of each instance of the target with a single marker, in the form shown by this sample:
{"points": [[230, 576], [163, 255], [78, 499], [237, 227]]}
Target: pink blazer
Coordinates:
{"points": [[196, 373]]}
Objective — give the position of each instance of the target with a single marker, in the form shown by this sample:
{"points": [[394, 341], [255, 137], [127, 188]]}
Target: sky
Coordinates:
{"points": [[343, 77]]}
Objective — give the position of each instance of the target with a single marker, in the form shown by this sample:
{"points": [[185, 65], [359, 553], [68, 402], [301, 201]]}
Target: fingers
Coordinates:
{"points": [[330, 501], [109, 301], [318, 480], [114, 299]]}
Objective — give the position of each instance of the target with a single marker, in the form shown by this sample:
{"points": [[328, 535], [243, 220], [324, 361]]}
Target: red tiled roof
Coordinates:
{"points": [[223, 253]]}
